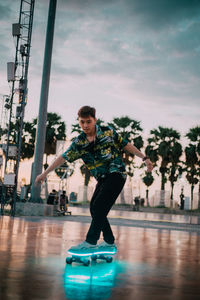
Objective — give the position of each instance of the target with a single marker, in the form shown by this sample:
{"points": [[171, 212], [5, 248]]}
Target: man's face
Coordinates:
{"points": [[87, 124]]}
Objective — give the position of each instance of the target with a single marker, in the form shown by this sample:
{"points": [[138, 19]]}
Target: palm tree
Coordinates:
{"points": [[28, 138], [192, 162], [175, 168], [174, 172], [55, 130], [148, 180], [130, 130], [164, 146]]}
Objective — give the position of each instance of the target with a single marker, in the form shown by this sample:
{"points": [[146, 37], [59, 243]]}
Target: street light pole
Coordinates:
{"points": [[42, 117]]}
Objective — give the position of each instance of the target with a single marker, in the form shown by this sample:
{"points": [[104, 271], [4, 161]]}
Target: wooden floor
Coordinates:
{"points": [[150, 263]]}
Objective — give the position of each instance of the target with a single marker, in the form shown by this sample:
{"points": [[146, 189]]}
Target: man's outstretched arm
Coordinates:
{"points": [[133, 150], [59, 161]]}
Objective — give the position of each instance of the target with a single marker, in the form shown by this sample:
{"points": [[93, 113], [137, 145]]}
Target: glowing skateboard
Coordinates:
{"points": [[86, 259]]}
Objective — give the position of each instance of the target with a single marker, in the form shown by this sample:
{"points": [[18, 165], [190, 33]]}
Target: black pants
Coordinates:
{"points": [[105, 194]]}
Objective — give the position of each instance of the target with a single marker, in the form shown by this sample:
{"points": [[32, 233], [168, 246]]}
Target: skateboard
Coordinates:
{"points": [[86, 259], [63, 213]]}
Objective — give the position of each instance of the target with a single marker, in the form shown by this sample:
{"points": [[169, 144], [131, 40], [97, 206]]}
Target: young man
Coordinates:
{"points": [[64, 202], [100, 148]]}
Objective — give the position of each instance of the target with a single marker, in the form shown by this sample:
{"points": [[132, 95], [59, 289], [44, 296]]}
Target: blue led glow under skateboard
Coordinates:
{"points": [[86, 258]]}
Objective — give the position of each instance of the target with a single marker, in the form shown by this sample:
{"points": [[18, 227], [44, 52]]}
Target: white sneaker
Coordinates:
{"points": [[107, 248], [83, 248]]}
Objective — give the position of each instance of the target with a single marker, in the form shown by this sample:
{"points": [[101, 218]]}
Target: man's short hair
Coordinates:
{"points": [[86, 111]]}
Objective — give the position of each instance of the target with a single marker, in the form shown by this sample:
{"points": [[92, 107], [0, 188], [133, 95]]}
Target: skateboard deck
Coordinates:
{"points": [[63, 213], [86, 259]]}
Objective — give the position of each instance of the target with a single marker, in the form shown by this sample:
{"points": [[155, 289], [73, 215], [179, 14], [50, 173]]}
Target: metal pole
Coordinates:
{"points": [[12, 95], [42, 117], [23, 106]]}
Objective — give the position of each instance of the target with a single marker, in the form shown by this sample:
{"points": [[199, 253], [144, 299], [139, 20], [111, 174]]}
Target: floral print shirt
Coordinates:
{"points": [[103, 156]]}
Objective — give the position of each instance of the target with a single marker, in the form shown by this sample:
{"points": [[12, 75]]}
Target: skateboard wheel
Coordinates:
{"points": [[86, 262], [109, 259], [69, 260], [93, 257]]}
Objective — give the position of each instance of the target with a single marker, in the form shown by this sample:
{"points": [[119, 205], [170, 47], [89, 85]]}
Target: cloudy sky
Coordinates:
{"points": [[139, 58]]}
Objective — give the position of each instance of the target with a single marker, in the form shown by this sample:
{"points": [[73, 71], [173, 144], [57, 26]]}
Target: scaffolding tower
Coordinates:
{"points": [[17, 73]]}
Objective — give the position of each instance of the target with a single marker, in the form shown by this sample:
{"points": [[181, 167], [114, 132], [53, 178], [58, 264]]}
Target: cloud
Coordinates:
{"points": [[115, 40], [80, 4], [129, 54], [3, 49], [5, 11], [58, 69], [163, 13]]}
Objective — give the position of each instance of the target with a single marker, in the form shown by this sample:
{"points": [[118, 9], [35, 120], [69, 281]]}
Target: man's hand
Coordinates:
{"points": [[149, 165], [40, 178]]}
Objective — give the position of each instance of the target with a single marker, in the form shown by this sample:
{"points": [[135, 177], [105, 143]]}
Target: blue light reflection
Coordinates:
{"points": [[93, 282]]}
